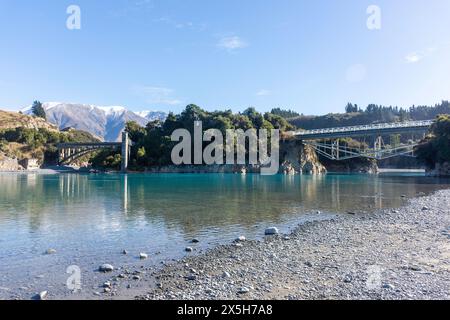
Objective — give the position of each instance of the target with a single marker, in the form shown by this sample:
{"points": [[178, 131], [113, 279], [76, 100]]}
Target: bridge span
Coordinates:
{"points": [[327, 142], [70, 152]]}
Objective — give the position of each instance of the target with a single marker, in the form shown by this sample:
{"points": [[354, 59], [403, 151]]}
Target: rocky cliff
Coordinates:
{"points": [[9, 164], [356, 165], [298, 158]]}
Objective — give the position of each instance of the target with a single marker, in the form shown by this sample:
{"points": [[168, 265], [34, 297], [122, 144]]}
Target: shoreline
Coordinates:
{"points": [[318, 259], [389, 254]]}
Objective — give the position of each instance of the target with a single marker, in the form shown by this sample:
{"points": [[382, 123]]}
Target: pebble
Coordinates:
{"points": [[41, 295], [388, 286], [106, 268], [191, 277], [50, 251], [189, 249], [348, 278], [243, 290], [271, 231], [143, 256], [226, 274]]}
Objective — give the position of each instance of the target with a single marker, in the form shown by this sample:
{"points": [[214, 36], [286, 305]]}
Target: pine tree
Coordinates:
{"points": [[38, 110]]}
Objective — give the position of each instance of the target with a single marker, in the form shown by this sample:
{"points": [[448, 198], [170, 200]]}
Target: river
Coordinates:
{"points": [[90, 219]]}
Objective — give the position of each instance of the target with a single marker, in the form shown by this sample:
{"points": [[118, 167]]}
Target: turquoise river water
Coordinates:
{"points": [[90, 219]]}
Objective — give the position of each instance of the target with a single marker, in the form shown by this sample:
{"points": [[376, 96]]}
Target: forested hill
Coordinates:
{"points": [[372, 114]]}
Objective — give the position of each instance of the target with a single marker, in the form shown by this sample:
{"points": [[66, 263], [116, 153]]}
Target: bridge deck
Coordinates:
{"points": [[89, 144], [365, 130]]}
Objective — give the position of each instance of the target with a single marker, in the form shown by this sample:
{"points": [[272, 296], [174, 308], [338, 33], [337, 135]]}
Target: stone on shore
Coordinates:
{"points": [[143, 256], [106, 268], [41, 295], [271, 231], [240, 239], [188, 249], [243, 290]]}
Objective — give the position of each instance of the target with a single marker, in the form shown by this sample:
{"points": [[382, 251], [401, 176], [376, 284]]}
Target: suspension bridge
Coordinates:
{"points": [[328, 142]]}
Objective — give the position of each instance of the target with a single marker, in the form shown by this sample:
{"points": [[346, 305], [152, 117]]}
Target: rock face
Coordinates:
{"points": [[357, 165], [12, 120], [9, 164], [440, 170], [298, 158]]}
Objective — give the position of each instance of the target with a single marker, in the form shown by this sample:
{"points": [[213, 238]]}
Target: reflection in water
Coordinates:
{"points": [[190, 203], [89, 217]]}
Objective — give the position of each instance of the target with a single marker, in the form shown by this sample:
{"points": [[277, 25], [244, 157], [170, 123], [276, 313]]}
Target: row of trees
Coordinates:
{"points": [[436, 147], [413, 113], [373, 113], [153, 145]]}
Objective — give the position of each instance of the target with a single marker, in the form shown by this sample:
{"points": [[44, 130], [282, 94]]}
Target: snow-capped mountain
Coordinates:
{"points": [[152, 115], [106, 123]]}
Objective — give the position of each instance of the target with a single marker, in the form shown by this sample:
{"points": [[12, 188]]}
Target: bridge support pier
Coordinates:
{"points": [[125, 151]]}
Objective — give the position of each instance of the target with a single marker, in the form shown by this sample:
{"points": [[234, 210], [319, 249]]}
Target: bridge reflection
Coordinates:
{"points": [[192, 203]]}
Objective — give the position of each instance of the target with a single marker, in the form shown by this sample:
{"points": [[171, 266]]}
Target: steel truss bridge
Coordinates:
{"points": [[327, 142], [70, 152]]}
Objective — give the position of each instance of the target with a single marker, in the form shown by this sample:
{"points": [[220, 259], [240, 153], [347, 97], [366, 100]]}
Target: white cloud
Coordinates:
{"points": [[413, 57], [417, 56], [263, 93], [232, 43], [181, 25], [156, 95]]}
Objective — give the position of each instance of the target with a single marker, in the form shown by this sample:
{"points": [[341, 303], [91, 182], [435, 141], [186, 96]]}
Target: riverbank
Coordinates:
{"points": [[390, 254]]}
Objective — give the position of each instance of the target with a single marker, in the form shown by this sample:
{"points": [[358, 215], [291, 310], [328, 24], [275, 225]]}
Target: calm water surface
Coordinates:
{"points": [[90, 219]]}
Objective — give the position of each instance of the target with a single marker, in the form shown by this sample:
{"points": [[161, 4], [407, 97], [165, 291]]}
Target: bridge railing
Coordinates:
{"points": [[378, 126]]}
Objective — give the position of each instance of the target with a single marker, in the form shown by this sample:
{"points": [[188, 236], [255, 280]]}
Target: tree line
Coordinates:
{"points": [[153, 145], [354, 115]]}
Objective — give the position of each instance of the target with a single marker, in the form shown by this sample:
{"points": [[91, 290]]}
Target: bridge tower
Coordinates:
{"points": [[125, 151]]}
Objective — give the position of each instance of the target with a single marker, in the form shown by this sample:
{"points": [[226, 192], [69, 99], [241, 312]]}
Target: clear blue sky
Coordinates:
{"points": [[310, 56]]}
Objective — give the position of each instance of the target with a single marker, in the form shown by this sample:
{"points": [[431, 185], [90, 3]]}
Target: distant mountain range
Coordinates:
{"points": [[106, 123]]}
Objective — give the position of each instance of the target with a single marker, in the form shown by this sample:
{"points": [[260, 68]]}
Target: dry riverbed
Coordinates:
{"points": [[390, 254]]}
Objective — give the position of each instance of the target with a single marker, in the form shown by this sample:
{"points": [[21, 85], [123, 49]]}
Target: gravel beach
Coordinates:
{"points": [[389, 254]]}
